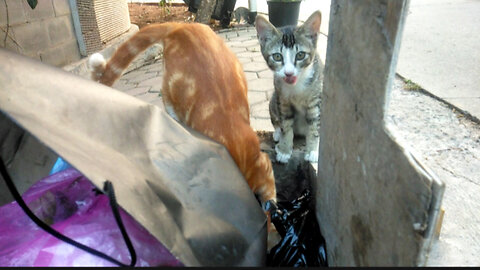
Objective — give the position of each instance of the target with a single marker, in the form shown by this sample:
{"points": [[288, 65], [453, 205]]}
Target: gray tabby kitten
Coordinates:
{"points": [[291, 52]]}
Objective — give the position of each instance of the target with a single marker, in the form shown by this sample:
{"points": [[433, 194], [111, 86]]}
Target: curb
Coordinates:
{"points": [[455, 109]]}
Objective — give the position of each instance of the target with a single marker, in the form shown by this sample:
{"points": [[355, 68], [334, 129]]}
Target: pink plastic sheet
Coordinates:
{"points": [[69, 203]]}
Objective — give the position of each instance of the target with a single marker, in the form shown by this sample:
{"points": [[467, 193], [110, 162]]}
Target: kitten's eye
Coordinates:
{"points": [[277, 57], [300, 56]]}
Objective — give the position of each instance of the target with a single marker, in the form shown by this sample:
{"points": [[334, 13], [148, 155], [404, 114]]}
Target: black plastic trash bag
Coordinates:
{"points": [[302, 243]]}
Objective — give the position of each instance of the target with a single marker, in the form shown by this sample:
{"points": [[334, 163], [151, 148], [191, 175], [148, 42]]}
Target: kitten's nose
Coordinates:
{"points": [[288, 74], [290, 78]]}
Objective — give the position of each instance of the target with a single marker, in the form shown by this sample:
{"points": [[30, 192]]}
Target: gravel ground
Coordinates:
{"points": [[448, 143]]}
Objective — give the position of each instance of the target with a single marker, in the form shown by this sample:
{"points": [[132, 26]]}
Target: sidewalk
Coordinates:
{"points": [[439, 51]]}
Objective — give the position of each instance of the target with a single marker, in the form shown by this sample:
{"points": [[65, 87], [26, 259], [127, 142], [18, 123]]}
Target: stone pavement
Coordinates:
{"points": [[145, 82], [440, 51]]}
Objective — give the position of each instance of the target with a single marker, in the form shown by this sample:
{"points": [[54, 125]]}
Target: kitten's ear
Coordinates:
{"points": [[265, 30], [312, 24]]}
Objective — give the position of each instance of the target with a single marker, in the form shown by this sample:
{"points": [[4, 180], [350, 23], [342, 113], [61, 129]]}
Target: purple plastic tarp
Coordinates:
{"points": [[69, 203]]}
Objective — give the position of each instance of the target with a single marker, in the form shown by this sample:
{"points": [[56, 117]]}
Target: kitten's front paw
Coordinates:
{"points": [[282, 157], [311, 156], [277, 134]]}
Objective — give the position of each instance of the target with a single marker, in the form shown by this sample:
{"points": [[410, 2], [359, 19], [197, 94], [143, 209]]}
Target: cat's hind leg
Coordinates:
{"points": [[311, 156], [311, 149], [277, 134], [275, 116], [282, 157], [313, 122]]}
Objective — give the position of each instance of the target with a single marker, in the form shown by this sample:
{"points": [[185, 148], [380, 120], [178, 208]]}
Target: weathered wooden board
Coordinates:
{"points": [[376, 204]]}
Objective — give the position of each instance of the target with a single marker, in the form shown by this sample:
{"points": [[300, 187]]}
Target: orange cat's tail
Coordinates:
{"points": [[108, 73]]}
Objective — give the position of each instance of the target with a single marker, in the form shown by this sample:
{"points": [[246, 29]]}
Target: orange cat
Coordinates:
{"points": [[204, 87]]}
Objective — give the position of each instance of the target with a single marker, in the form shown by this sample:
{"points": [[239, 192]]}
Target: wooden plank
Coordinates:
{"points": [[377, 205]]}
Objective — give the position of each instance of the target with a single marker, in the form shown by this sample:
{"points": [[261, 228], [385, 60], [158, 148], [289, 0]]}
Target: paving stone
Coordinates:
{"points": [[223, 36], [251, 42], [233, 44], [155, 73], [261, 84], [155, 67], [238, 49], [149, 97], [231, 35], [249, 54], [131, 75], [255, 97], [259, 59], [148, 63], [241, 35], [241, 38], [122, 79], [154, 81], [136, 77], [260, 110], [156, 89], [245, 44], [255, 67], [240, 28], [141, 77], [244, 60], [124, 85], [261, 124], [254, 48], [138, 91], [266, 74], [248, 33], [224, 31], [251, 76]]}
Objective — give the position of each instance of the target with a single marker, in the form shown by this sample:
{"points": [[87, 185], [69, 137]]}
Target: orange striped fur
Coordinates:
{"points": [[205, 87]]}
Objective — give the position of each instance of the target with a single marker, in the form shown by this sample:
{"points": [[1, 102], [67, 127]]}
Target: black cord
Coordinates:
{"points": [[108, 188], [50, 230]]}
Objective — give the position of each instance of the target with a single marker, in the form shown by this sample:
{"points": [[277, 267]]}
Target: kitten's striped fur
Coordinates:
{"points": [[291, 53], [204, 87]]}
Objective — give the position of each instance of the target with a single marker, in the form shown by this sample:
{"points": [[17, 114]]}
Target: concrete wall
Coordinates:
{"points": [[45, 33]]}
